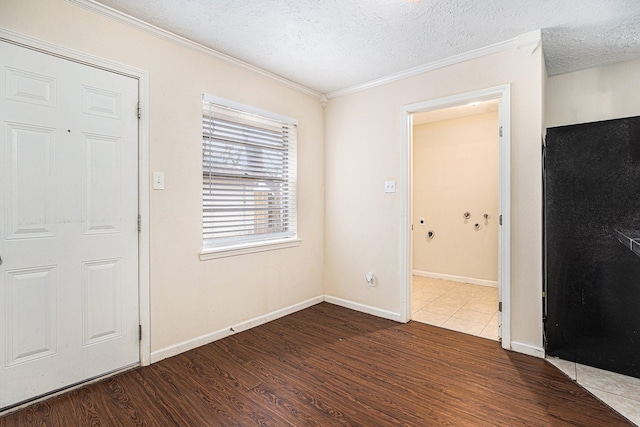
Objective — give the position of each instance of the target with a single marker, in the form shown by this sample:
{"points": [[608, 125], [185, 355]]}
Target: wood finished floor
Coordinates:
{"points": [[331, 366]]}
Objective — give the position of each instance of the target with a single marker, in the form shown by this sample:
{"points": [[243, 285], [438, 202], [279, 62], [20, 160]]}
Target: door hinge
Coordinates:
{"points": [[139, 110], [139, 223], [139, 332], [500, 131], [500, 306], [500, 219], [544, 294]]}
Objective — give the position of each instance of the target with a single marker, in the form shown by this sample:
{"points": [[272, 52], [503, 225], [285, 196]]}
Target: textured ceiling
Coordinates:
{"points": [[329, 45]]}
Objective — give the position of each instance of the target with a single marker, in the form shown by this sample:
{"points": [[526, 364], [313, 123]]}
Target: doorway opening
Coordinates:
{"points": [[456, 212], [455, 218]]}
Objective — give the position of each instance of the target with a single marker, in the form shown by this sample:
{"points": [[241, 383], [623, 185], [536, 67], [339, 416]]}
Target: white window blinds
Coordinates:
{"points": [[248, 176]]}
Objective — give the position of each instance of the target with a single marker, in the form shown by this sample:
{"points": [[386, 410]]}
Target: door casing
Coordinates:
{"points": [[503, 93]]}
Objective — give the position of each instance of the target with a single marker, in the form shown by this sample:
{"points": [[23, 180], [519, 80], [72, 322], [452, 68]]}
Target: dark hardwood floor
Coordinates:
{"points": [[330, 366]]}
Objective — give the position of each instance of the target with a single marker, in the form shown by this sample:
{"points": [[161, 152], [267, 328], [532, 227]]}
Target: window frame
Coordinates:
{"points": [[237, 246]]}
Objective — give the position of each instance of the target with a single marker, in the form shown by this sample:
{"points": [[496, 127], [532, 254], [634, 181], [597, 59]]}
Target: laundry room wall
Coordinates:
{"points": [[455, 171]]}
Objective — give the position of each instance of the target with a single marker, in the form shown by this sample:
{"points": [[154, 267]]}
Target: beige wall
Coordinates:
{"points": [[361, 224], [363, 149], [601, 93], [455, 170], [189, 297]]}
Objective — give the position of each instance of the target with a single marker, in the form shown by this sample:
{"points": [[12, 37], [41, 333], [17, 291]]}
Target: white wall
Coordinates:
{"points": [[191, 298], [601, 93], [363, 149], [455, 170]]}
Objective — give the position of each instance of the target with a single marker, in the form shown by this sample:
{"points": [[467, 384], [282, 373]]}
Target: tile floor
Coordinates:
{"points": [[620, 392], [472, 309], [461, 307]]}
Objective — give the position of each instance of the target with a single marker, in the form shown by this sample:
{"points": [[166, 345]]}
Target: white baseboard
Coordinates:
{"points": [[363, 308], [173, 350], [471, 280], [527, 349]]}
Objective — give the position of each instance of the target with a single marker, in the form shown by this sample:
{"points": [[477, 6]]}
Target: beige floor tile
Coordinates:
{"points": [[417, 304], [427, 294], [471, 305], [462, 294], [473, 316], [490, 332], [489, 307], [464, 326], [494, 320], [491, 295], [629, 408], [463, 287], [420, 279], [430, 318], [620, 392], [569, 368], [455, 287], [443, 285], [448, 298], [446, 307], [430, 290], [487, 291], [609, 382], [415, 289]]}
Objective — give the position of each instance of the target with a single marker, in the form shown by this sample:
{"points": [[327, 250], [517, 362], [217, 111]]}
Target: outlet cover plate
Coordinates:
{"points": [[389, 186]]}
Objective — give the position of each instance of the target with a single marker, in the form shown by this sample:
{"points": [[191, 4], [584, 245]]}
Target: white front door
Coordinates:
{"points": [[68, 223]]}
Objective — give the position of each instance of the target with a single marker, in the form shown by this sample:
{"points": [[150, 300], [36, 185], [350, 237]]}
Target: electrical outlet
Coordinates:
{"points": [[389, 186], [371, 279]]}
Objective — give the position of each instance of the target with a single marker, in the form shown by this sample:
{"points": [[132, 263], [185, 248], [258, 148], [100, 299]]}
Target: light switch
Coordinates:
{"points": [[389, 186], [158, 180]]}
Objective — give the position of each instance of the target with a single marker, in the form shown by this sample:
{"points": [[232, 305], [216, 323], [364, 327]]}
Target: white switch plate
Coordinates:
{"points": [[158, 180], [389, 186]]}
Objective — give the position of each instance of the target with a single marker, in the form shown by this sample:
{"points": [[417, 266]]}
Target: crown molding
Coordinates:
{"points": [[530, 41], [525, 42], [138, 24], [324, 101]]}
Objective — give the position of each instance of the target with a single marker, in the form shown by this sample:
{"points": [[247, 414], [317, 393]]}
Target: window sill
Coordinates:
{"points": [[228, 251]]}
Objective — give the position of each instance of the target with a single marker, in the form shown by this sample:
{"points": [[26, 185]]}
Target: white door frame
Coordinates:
{"points": [[143, 161], [503, 93]]}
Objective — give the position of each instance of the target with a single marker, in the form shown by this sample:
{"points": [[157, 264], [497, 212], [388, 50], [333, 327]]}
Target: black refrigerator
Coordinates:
{"points": [[592, 244]]}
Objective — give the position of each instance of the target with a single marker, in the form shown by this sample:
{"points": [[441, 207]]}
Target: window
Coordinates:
{"points": [[248, 176]]}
